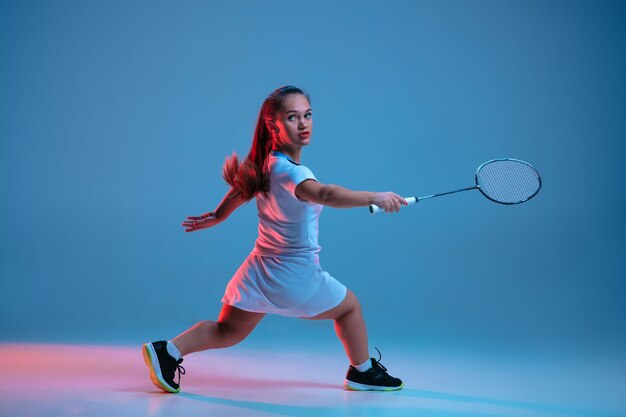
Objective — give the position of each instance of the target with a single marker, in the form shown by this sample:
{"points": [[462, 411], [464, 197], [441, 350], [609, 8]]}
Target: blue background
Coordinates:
{"points": [[116, 117]]}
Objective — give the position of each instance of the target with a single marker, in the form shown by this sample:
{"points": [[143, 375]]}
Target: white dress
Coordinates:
{"points": [[282, 274]]}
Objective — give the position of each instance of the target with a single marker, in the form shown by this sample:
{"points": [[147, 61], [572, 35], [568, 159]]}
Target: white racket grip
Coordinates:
{"points": [[375, 209]]}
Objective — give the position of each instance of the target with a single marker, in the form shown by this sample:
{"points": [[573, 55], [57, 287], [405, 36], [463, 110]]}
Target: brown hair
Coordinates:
{"points": [[250, 176]]}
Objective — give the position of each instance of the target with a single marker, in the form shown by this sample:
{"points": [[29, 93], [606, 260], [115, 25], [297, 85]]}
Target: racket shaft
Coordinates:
{"points": [[412, 200], [446, 193]]}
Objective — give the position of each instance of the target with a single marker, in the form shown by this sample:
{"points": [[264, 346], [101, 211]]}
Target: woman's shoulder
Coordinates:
{"points": [[283, 164], [284, 168]]}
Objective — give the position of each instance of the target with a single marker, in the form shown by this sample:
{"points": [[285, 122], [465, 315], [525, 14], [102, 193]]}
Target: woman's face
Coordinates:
{"points": [[294, 122]]}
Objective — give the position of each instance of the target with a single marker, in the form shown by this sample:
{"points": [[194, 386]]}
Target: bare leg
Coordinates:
{"points": [[350, 328], [232, 326]]}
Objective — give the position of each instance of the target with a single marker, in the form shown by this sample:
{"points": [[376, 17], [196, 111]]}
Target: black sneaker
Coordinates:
{"points": [[162, 366], [374, 379]]}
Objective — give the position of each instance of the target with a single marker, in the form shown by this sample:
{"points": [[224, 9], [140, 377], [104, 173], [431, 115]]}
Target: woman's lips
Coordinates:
{"points": [[304, 134]]}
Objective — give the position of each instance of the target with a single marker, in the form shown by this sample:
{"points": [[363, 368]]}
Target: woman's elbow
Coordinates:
{"points": [[328, 195]]}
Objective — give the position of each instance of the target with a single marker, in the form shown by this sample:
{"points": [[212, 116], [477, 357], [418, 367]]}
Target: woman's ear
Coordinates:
{"points": [[271, 126]]}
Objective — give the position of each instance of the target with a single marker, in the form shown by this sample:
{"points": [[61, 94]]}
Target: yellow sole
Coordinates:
{"points": [[147, 358]]}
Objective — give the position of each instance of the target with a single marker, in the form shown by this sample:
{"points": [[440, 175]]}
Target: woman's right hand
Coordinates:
{"points": [[389, 201], [203, 221]]}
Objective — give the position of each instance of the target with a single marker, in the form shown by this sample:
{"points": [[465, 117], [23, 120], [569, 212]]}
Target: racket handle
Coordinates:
{"points": [[375, 209]]}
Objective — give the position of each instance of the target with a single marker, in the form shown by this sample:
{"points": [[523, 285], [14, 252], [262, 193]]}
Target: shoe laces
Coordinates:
{"points": [[180, 369], [376, 363]]}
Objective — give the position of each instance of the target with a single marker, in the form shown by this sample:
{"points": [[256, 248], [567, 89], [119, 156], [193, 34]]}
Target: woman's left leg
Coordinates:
{"points": [[232, 326]]}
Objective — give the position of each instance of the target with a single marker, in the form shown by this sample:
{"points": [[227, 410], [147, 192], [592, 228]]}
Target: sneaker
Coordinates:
{"points": [[374, 379], [162, 366]]}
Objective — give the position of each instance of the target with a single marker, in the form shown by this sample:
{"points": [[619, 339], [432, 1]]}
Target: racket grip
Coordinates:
{"points": [[375, 209]]}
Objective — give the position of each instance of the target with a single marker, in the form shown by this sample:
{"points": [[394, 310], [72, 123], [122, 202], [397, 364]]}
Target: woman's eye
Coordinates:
{"points": [[308, 116], [291, 118]]}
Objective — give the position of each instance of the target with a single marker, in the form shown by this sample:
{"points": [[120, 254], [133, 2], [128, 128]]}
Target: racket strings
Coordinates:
{"points": [[508, 181]]}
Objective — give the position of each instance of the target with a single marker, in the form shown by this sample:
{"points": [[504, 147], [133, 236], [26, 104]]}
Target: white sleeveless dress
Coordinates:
{"points": [[282, 274]]}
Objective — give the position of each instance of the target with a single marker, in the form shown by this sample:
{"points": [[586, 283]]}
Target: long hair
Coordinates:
{"points": [[250, 176]]}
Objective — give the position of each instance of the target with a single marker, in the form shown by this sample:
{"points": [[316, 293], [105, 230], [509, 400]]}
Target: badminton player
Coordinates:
{"points": [[282, 275]]}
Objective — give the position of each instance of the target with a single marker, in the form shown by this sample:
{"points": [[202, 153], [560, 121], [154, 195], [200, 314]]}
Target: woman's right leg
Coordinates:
{"points": [[232, 326], [350, 327]]}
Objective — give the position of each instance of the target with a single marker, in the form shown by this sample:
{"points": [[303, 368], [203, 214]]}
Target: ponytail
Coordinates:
{"points": [[250, 176]]}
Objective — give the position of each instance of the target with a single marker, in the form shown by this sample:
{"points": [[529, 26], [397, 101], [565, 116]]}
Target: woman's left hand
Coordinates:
{"points": [[203, 221]]}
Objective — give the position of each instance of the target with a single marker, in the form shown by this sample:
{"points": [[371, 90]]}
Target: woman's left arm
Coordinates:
{"points": [[231, 201]]}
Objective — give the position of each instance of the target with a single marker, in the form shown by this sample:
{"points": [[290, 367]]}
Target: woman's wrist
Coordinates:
{"points": [[370, 197]]}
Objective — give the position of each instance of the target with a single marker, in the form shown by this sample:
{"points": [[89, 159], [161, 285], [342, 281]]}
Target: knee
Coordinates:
{"points": [[221, 333], [356, 306], [230, 335], [353, 306]]}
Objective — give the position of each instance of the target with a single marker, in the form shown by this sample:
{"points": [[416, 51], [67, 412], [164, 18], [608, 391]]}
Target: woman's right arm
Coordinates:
{"points": [[340, 197], [231, 201]]}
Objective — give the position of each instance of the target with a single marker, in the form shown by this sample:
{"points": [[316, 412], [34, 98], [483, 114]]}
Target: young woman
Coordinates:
{"points": [[282, 274]]}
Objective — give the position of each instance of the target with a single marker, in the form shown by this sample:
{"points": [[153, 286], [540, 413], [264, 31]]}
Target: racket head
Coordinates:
{"points": [[508, 180]]}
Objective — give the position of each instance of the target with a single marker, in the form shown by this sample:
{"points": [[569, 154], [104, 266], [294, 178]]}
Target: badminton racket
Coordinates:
{"points": [[503, 180]]}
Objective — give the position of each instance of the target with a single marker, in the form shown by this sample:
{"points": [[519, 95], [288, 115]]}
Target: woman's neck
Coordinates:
{"points": [[293, 153]]}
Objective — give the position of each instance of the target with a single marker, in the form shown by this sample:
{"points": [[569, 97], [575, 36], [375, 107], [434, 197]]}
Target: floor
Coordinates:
{"points": [[86, 380]]}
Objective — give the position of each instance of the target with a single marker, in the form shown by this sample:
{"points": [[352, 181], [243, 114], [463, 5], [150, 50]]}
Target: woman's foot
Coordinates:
{"points": [[374, 379], [162, 366]]}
